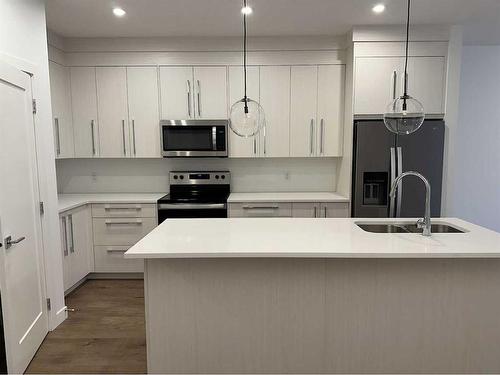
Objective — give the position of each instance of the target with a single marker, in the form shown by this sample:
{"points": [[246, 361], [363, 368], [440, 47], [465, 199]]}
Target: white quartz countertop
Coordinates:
{"points": [[308, 238], [70, 201], [297, 197]]}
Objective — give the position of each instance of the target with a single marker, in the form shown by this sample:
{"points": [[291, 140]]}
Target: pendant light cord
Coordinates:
{"points": [[407, 49], [245, 54]]}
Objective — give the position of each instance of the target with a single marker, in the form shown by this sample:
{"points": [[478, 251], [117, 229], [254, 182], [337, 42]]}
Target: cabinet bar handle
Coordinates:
{"points": [[315, 211], [133, 137], [72, 242], [189, 97], [260, 207], [392, 202], [265, 140], [122, 251], [199, 98], [93, 136], [65, 237], [399, 153], [109, 222], [394, 84], [123, 137], [322, 136], [137, 207], [254, 145], [311, 133], [324, 212], [58, 137]]}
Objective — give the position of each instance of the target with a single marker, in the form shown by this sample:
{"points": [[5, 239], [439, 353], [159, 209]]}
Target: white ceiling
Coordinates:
{"points": [[155, 18]]}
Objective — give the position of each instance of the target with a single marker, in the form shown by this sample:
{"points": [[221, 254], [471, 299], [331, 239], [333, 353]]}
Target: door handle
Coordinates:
{"points": [[400, 186], [392, 202], [9, 241], [58, 136]]}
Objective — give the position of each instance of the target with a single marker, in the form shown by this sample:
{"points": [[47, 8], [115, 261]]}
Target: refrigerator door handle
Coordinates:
{"points": [[392, 202], [400, 186]]}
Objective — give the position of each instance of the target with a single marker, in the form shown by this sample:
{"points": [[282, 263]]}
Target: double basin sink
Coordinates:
{"points": [[395, 227]]}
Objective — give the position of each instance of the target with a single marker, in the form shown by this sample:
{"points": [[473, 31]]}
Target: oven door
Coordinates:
{"points": [[195, 138], [191, 211]]}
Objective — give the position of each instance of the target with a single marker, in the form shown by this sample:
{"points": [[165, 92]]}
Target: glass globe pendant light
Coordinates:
{"points": [[247, 116], [405, 114]]}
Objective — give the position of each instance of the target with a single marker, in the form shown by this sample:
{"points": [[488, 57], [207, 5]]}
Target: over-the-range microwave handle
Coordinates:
{"points": [[214, 138]]}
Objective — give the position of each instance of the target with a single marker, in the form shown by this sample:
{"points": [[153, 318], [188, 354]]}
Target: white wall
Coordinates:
{"points": [[474, 189], [23, 36], [151, 175]]}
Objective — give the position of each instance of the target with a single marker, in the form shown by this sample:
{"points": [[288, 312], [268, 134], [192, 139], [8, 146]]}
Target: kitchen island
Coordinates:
{"points": [[319, 296]]}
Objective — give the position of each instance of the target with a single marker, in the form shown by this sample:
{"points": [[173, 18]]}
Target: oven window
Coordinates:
{"points": [[191, 138]]}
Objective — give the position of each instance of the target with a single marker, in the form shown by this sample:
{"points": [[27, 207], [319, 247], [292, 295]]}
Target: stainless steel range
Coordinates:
{"points": [[195, 195]]}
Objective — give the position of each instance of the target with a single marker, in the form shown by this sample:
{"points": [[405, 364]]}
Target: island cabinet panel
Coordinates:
{"points": [[322, 315]]}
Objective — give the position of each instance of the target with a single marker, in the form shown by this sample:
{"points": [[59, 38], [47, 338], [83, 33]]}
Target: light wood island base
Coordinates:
{"points": [[286, 315]]}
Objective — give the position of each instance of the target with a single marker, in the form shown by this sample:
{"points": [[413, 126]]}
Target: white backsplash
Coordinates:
{"points": [[151, 175]]}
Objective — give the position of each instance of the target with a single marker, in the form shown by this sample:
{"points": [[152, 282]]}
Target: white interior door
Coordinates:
{"points": [[211, 92], [240, 147], [304, 100], [331, 94], [144, 117], [275, 100], [112, 108], [21, 267], [176, 92]]}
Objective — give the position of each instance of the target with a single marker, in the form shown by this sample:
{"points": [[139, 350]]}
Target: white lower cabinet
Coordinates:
{"points": [[95, 237], [260, 210], [116, 227], [77, 245], [298, 210]]}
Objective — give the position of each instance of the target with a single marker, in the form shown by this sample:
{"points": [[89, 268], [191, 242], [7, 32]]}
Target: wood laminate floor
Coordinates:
{"points": [[106, 333]]}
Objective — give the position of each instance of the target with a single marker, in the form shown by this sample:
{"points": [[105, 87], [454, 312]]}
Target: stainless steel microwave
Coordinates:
{"points": [[194, 138]]}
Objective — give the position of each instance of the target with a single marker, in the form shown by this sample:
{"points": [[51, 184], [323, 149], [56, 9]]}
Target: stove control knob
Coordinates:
{"points": [[223, 177], [216, 176], [175, 177], [181, 177]]}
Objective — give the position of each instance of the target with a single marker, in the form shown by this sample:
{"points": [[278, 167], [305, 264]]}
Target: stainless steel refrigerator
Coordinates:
{"points": [[380, 156]]}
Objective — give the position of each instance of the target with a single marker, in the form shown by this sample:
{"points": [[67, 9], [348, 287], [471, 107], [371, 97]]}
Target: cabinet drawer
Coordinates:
{"points": [[110, 259], [121, 231], [123, 210], [260, 210]]}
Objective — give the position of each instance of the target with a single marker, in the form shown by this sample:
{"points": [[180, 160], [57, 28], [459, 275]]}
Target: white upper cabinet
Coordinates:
{"points": [[84, 106], [210, 92], [113, 111], [331, 101], [275, 100], [240, 147], [144, 128], [61, 111], [426, 82], [317, 111], [379, 79], [376, 83], [176, 92], [304, 104]]}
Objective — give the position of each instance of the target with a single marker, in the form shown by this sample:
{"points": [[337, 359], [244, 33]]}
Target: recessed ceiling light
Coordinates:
{"points": [[379, 8], [119, 12], [247, 10]]}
